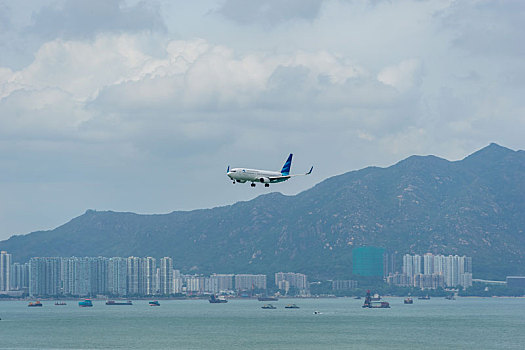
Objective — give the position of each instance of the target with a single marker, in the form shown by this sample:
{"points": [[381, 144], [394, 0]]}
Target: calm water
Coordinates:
{"points": [[466, 323]]}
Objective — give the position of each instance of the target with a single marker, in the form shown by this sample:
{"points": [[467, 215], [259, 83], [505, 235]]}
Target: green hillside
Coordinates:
{"points": [[473, 207]]}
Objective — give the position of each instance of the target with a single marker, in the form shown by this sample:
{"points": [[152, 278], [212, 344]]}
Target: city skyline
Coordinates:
{"points": [[141, 276]]}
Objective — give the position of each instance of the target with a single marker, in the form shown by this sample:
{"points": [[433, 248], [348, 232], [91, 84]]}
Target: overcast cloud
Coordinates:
{"points": [[141, 105]]}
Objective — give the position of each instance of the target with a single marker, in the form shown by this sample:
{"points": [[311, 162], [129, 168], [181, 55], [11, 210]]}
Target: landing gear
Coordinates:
{"points": [[234, 182], [266, 185], [253, 185]]}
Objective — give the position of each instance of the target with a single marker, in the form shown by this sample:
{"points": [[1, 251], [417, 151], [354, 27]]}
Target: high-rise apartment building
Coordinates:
{"points": [[166, 276], [117, 276], [5, 271], [135, 276], [221, 283], [295, 280], [19, 276], [344, 284], [250, 282], [44, 276], [428, 264], [150, 275], [436, 271]]}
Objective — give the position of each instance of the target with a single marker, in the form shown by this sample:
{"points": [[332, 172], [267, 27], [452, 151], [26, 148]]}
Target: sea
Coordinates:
{"points": [[324, 323]]}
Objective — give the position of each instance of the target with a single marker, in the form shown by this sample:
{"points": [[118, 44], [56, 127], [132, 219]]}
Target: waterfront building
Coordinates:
{"points": [[295, 280], [428, 264], [135, 276], [83, 276], [99, 275], [245, 282], [178, 285], [465, 280], [368, 261], [220, 283], [411, 266], [150, 273], [344, 284], [398, 279], [429, 281], [44, 276], [284, 285], [166, 276], [19, 276], [117, 276], [433, 271], [5, 271], [195, 284]]}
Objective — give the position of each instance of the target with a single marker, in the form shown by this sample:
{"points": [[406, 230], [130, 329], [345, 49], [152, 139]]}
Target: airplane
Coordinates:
{"points": [[266, 177]]}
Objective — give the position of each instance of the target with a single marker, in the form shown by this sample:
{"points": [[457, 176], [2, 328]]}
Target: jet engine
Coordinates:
{"points": [[264, 180]]}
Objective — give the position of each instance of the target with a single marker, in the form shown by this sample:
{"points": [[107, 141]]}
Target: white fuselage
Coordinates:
{"points": [[255, 175]]}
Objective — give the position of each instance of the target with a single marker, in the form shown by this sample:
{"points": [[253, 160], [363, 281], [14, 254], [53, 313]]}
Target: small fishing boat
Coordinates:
{"points": [[85, 303]]}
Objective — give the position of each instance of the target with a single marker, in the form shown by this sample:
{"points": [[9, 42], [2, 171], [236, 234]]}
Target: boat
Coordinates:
{"points": [[217, 300], [154, 303], [375, 297], [426, 297], [35, 304], [113, 302], [268, 299], [268, 306], [317, 312], [59, 303], [85, 303], [358, 297], [374, 304], [291, 306], [409, 300], [450, 297]]}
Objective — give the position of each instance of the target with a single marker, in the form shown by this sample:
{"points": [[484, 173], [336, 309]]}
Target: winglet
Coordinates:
{"points": [[228, 170], [287, 165], [310, 171]]}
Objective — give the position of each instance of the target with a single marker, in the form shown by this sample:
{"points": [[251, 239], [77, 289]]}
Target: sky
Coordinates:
{"points": [[141, 105]]}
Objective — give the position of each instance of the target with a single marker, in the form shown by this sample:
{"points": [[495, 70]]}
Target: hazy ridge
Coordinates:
{"points": [[475, 207]]}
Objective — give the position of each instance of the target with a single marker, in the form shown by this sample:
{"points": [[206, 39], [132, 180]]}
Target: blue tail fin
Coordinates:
{"points": [[287, 165]]}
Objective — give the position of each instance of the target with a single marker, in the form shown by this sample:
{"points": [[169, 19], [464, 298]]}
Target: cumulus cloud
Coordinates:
{"points": [[112, 76]]}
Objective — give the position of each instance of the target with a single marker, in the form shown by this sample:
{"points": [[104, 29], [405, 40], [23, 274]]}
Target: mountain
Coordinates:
{"points": [[473, 207]]}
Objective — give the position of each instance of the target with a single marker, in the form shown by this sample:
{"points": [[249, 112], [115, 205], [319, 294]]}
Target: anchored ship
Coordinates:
{"points": [[372, 304], [219, 300], [113, 302]]}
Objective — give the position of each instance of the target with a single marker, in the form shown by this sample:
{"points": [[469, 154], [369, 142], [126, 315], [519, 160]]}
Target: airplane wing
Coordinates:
{"points": [[284, 177], [307, 173]]}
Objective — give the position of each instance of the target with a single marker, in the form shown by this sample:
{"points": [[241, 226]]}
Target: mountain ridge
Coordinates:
{"points": [[472, 206]]}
